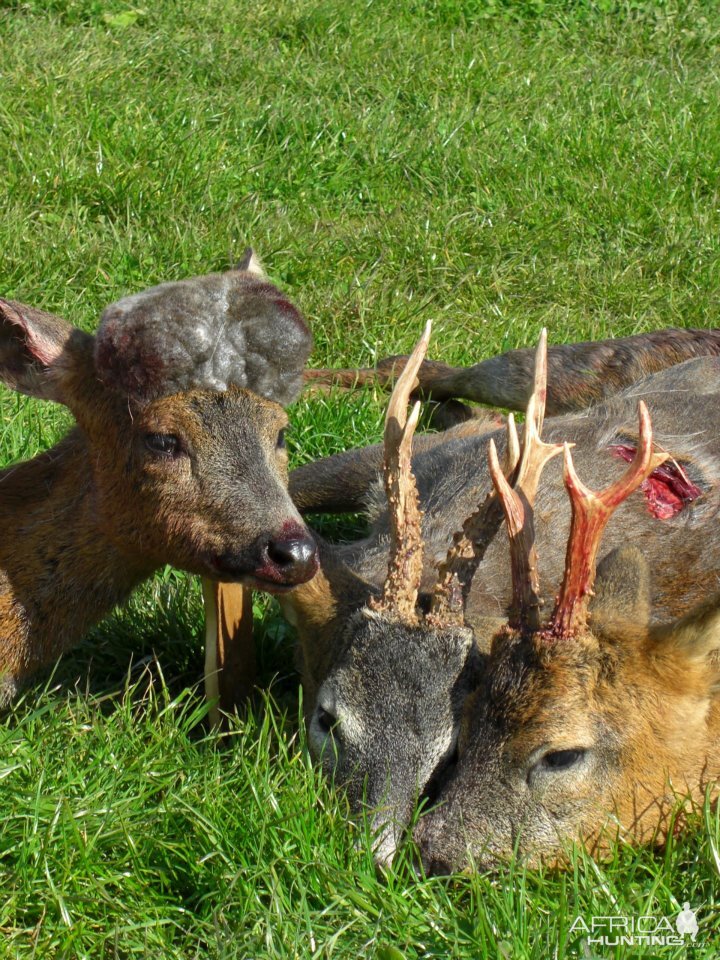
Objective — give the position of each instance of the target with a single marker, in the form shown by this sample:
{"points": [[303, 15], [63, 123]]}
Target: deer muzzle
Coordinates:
{"points": [[274, 564]]}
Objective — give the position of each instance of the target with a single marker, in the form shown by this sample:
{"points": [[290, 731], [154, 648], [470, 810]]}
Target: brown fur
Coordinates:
{"points": [[88, 520], [681, 558], [642, 706]]}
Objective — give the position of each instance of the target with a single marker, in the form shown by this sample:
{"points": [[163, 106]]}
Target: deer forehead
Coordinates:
{"points": [[532, 684], [385, 652], [215, 413], [607, 694]]}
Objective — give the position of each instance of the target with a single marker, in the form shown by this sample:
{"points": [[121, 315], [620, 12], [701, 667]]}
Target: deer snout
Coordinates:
{"points": [[274, 564], [432, 859], [297, 556], [288, 559]]}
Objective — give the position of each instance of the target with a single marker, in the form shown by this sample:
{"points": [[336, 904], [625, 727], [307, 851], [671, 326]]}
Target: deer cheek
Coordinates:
{"points": [[180, 533], [156, 467]]}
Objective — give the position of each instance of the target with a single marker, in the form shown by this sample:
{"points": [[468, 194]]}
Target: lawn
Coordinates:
{"points": [[496, 166]]}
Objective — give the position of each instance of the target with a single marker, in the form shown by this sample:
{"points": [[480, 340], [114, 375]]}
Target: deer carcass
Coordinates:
{"points": [[588, 725], [392, 662], [178, 455]]}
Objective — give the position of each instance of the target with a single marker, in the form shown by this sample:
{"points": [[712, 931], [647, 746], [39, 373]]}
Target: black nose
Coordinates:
{"points": [[296, 557]]}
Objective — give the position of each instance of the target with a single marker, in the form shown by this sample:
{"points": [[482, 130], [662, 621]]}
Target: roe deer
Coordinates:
{"points": [[589, 726], [178, 455], [386, 679]]}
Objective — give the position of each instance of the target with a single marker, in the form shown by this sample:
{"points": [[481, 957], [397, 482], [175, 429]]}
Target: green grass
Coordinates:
{"points": [[495, 165]]}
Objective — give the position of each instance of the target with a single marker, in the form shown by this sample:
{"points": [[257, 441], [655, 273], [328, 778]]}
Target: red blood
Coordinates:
{"points": [[291, 528], [667, 490]]}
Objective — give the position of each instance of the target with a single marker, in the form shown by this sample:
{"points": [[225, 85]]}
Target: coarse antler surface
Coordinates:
{"points": [[469, 545], [518, 502], [400, 591]]}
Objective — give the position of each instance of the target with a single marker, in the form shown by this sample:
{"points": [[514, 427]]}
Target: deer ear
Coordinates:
{"points": [[251, 264], [34, 350], [622, 594], [695, 637]]}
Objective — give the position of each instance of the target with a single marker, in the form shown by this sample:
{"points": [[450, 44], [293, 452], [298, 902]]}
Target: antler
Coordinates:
{"points": [[590, 514], [400, 590], [469, 545], [518, 503]]}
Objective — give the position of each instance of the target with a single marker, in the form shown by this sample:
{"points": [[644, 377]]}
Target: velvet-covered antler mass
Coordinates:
{"points": [[207, 332]]}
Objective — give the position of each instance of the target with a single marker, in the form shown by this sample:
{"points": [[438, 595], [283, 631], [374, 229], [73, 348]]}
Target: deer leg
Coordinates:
{"points": [[336, 484], [435, 379], [579, 374], [450, 414], [229, 647]]}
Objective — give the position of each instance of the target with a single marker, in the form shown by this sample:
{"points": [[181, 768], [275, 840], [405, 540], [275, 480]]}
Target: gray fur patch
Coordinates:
{"points": [[207, 333]]}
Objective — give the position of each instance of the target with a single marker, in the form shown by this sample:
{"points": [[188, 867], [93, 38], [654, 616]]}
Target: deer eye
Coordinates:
{"points": [[561, 759], [281, 444], [163, 444], [326, 721]]}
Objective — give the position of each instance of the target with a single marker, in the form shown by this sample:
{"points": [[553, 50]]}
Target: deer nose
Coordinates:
{"points": [[296, 557]]}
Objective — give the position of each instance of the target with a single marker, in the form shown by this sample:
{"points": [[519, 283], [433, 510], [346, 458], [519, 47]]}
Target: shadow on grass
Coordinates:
{"points": [[158, 635]]}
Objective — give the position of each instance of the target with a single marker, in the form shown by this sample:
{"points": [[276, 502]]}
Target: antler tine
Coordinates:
{"points": [[400, 590], [519, 503], [536, 453], [524, 609], [469, 546], [512, 450], [590, 514]]}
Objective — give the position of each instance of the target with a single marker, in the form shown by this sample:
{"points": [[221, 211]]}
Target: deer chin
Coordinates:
{"points": [[268, 577], [267, 586]]}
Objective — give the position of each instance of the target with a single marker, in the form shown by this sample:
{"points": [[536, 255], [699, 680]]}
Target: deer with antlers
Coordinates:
{"points": [[592, 725], [178, 457], [399, 632]]}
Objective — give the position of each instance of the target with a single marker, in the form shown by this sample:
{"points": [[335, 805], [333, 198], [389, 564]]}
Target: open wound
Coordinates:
{"points": [[668, 489]]}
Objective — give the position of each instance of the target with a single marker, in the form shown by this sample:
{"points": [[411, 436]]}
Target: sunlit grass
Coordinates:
{"points": [[496, 166]]}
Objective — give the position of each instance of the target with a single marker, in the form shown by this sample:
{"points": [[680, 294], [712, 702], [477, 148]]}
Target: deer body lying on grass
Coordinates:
{"points": [[590, 725], [392, 662], [177, 457]]}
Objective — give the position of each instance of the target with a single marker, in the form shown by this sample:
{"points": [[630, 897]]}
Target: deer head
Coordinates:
{"points": [[181, 432], [387, 712], [587, 726]]}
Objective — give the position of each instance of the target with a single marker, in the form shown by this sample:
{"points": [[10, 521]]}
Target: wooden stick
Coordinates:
{"points": [[229, 647]]}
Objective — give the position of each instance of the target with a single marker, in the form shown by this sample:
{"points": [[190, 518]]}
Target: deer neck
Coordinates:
{"points": [[59, 571], [319, 610]]}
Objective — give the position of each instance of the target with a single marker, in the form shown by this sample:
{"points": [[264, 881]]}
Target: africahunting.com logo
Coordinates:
{"points": [[640, 931]]}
